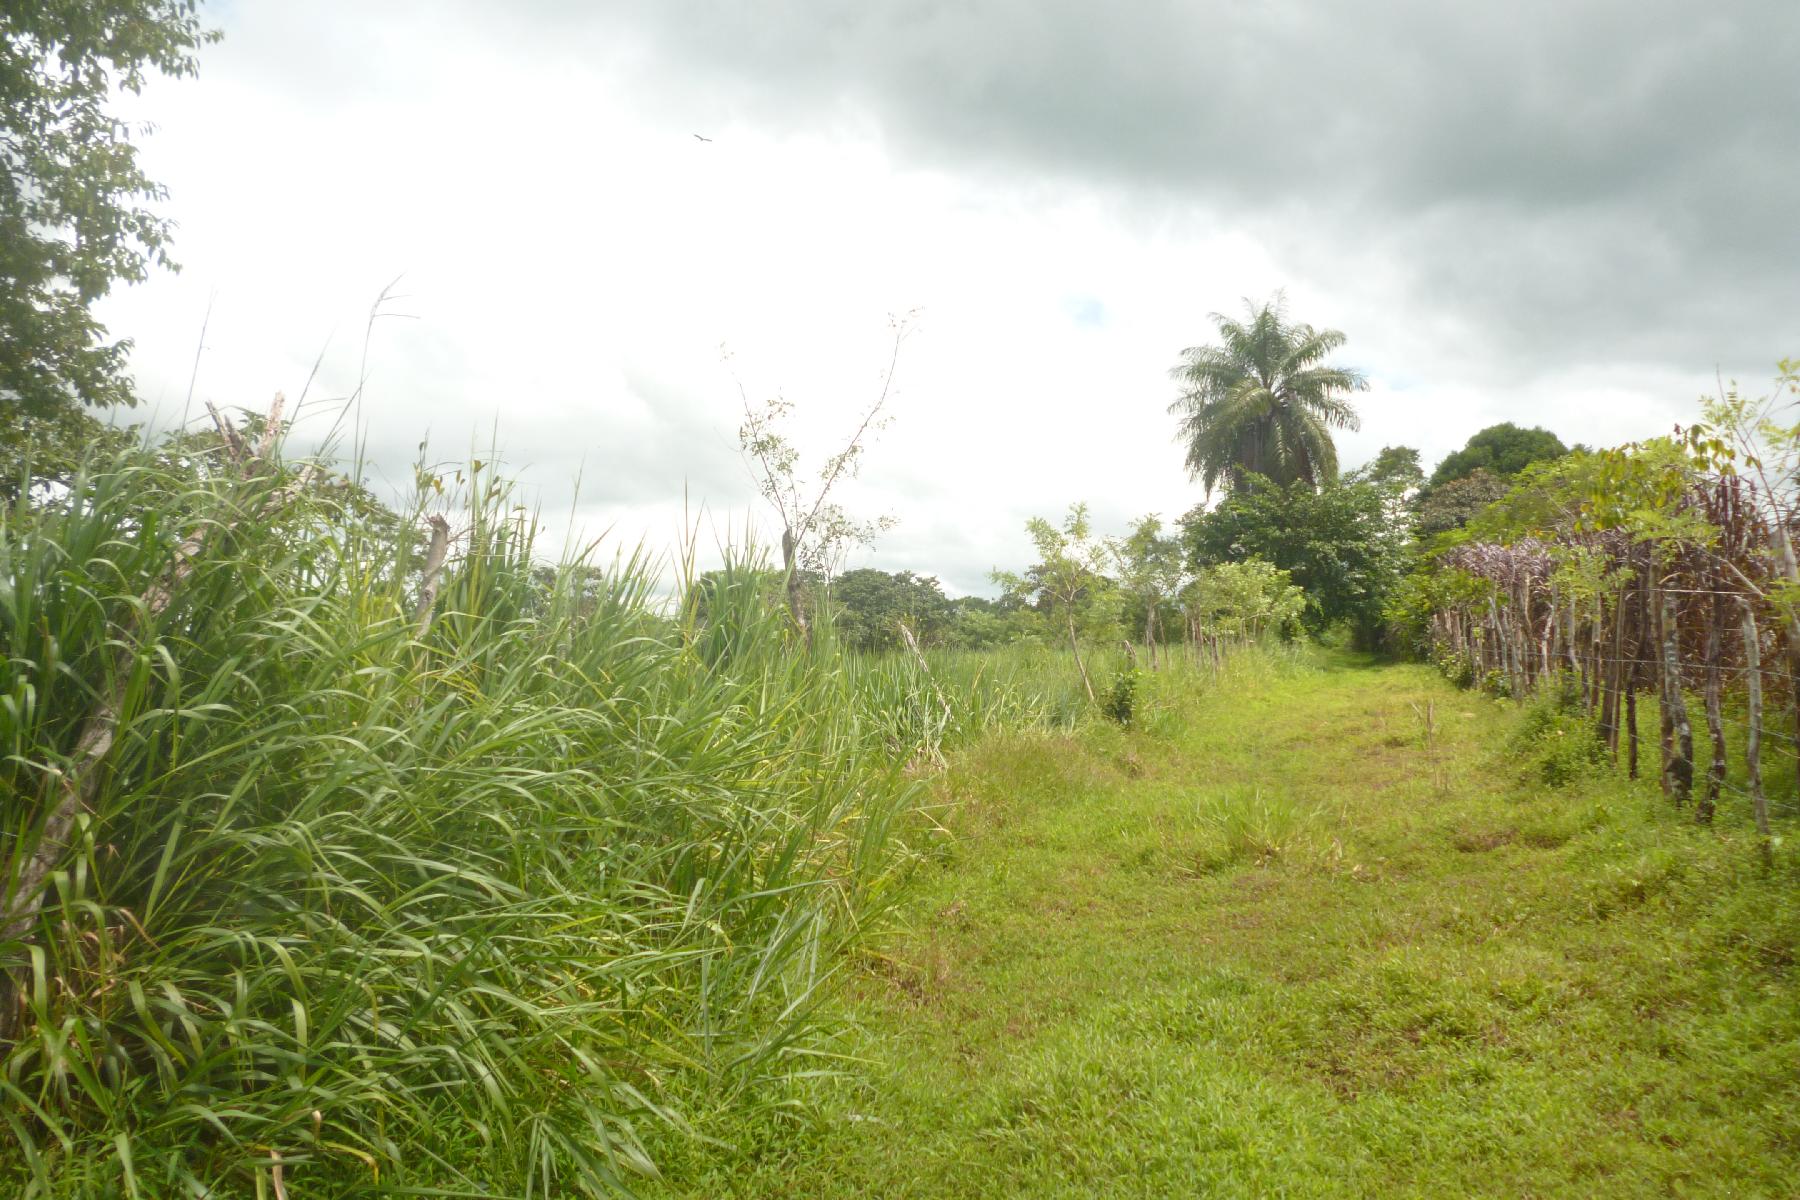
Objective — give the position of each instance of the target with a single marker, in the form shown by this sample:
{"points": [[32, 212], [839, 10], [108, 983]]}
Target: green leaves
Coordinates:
{"points": [[1071, 567], [1340, 544], [1260, 403], [869, 607], [1246, 600], [1503, 450], [467, 910], [74, 215]]}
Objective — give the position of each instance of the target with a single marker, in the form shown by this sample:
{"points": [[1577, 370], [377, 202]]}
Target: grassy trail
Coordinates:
{"points": [[1285, 944]]}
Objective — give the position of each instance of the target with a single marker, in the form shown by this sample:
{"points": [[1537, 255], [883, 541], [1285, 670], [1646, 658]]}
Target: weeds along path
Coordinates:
{"points": [[1285, 943]]}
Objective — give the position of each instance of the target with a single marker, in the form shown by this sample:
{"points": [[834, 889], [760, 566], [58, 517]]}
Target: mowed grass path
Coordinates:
{"points": [[1282, 943]]}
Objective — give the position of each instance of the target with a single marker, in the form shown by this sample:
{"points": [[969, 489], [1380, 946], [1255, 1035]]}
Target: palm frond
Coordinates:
{"points": [[1261, 400]]}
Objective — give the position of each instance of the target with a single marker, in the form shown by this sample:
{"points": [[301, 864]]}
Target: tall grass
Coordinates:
{"points": [[362, 908], [947, 697], [954, 696], [474, 905]]}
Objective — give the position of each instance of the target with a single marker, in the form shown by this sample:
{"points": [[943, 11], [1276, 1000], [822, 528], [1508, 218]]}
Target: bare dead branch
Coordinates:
{"points": [[434, 568], [234, 441], [842, 460]]}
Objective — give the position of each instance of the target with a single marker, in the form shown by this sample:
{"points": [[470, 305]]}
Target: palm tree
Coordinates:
{"points": [[1264, 402]]}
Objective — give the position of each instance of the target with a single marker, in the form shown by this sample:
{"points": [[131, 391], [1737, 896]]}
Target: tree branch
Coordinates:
{"points": [[434, 568]]}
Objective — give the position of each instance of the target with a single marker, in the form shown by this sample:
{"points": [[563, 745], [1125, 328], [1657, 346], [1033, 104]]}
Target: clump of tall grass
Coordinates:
{"points": [[938, 699], [364, 899], [1247, 824]]}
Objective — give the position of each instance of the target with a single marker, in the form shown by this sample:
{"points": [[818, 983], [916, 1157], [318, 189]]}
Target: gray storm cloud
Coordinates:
{"points": [[1597, 181], [1563, 214]]}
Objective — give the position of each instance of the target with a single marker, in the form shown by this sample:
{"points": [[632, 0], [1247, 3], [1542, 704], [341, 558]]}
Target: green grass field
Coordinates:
{"points": [[1281, 941]]}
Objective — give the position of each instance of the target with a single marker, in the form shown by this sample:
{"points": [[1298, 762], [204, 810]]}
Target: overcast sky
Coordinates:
{"points": [[1574, 213]]}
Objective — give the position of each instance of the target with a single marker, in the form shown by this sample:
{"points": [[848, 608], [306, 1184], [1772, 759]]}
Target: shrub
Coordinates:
{"points": [[1555, 736], [1121, 698], [1496, 683], [1456, 666]]}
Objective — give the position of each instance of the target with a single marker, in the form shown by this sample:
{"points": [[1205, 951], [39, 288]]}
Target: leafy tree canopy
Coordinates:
{"points": [[1148, 563], [73, 203], [1245, 599], [1068, 578], [74, 216], [1454, 504], [1395, 465], [1070, 572], [871, 604], [1338, 544], [36, 450], [1150, 571], [1503, 450]]}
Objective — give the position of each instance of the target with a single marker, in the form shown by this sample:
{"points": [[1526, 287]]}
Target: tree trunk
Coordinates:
{"points": [[1681, 761], [434, 569], [1574, 630], [1790, 571], [1715, 724], [1502, 644], [1665, 710], [1759, 804], [796, 609], [1640, 619], [1075, 648], [1596, 656], [1528, 662], [1615, 677], [1519, 622], [1631, 729]]}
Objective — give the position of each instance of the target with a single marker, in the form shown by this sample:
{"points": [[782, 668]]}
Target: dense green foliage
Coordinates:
{"points": [[871, 605], [1244, 601], [868, 608], [1502, 450], [1264, 401], [1340, 544], [1068, 583], [464, 901], [38, 449], [1150, 575], [1658, 574], [1454, 504], [1397, 466], [74, 209], [361, 852]]}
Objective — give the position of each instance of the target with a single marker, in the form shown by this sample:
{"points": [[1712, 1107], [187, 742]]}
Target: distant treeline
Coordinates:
{"points": [[1345, 546]]}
